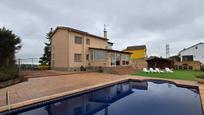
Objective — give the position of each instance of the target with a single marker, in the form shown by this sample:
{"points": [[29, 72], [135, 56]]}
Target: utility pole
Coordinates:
{"points": [[167, 51], [19, 66]]}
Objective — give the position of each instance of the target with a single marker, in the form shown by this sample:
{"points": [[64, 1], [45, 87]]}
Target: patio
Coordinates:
{"points": [[45, 88]]}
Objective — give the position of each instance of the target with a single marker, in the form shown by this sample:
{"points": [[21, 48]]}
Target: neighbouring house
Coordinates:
{"points": [[138, 52], [191, 58], [138, 56], [74, 50], [193, 53], [161, 63], [185, 65]]}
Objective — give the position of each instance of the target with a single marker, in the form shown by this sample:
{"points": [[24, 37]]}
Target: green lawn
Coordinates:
{"points": [[179, 74]]}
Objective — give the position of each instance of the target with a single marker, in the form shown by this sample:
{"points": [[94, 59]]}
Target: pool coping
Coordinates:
{"points": [[60, 96]]}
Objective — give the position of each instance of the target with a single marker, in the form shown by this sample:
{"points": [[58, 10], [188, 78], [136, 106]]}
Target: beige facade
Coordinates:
{"points": [[187, 65], [73, 48]]}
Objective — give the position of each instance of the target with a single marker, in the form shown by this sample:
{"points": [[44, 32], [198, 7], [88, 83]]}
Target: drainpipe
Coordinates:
{"points": [[84, 52], [67, 47]]}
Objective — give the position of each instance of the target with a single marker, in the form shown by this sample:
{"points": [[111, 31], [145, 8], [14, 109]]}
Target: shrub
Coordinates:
{"points": [[43, 67], [8, 73], [202, 68], [201, 76]]}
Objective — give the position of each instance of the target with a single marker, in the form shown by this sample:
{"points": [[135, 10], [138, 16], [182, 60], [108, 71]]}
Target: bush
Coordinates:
{"points": [[201, 76], [43, 67], [202, 68], [8, 73]]}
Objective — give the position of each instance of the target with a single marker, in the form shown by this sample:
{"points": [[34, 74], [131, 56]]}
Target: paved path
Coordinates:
{"points": [[38, 89], [45, 88]]}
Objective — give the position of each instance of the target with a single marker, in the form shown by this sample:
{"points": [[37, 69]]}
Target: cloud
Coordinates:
{"points": [[130, 22]]}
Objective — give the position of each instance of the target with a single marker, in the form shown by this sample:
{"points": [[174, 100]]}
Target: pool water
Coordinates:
{"points": [[129, 98]]}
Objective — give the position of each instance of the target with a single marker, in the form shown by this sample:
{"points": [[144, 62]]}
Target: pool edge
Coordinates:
{"points": [[56, 97]]}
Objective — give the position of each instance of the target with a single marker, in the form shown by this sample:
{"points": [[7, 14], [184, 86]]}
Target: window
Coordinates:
{"points": [[190, 67], [98, 55], [77, 57], [78, 40], [196, 47], [113, 59], [180, 67], [187, 58], [87, 57], [91, 53], [88, 41], [125, 59]]}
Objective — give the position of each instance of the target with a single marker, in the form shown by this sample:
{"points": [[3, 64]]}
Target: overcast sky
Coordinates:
{"points": [[155, 23]]}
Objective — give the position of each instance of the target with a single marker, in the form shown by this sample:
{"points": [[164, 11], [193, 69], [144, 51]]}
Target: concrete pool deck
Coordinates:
{"points": [[45, 88]]}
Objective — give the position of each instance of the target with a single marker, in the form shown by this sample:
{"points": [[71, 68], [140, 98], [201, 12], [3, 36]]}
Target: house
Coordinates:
{"points": [[193, 53], [138, 52], [138, 56], [74, 50], [161, 63]]}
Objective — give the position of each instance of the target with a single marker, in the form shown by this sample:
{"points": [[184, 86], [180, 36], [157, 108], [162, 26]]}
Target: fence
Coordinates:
{"points": [[27, 63]]}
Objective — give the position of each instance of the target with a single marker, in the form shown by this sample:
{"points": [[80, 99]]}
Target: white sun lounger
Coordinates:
{"points": [[152, 70], [145, 70], [168, 70], [158, 70]]}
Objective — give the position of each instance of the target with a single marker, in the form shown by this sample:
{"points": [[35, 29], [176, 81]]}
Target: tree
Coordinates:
{"points": [[46, 58], [9, 44]]}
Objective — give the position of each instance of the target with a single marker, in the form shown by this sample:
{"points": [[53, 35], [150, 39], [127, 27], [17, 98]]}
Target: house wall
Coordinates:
{"points": [[83, 48], [139, 63], [137, 54], [198, 54], [196, 65], [60, 49], [64, 48], [104, 63]]}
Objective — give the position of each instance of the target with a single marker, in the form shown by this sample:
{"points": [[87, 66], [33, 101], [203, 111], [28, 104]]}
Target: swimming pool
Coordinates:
{"points": [[127, 98]]}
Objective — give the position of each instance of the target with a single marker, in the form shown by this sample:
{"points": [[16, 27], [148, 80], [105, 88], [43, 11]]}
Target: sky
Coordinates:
{"points": [[155, 23]]}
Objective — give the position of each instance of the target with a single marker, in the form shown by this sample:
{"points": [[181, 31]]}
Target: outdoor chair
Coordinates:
{"points": [[168, 70], [145, 70], [158, 70], [152, 70]]}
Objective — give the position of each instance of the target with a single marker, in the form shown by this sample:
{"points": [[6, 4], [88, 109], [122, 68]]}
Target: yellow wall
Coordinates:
{"points": [[136, 54]]}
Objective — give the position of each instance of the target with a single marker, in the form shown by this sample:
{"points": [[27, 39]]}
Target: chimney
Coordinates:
{"points": [[105, 32]]}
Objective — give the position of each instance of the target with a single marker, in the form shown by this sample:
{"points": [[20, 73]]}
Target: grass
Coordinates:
{"points": [[178, 74]]}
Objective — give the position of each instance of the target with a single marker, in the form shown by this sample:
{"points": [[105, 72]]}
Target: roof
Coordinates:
{"points": [[157, 58], [110, 50], [110, 43], [78, 31], [139, 47], [191, 47]]}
